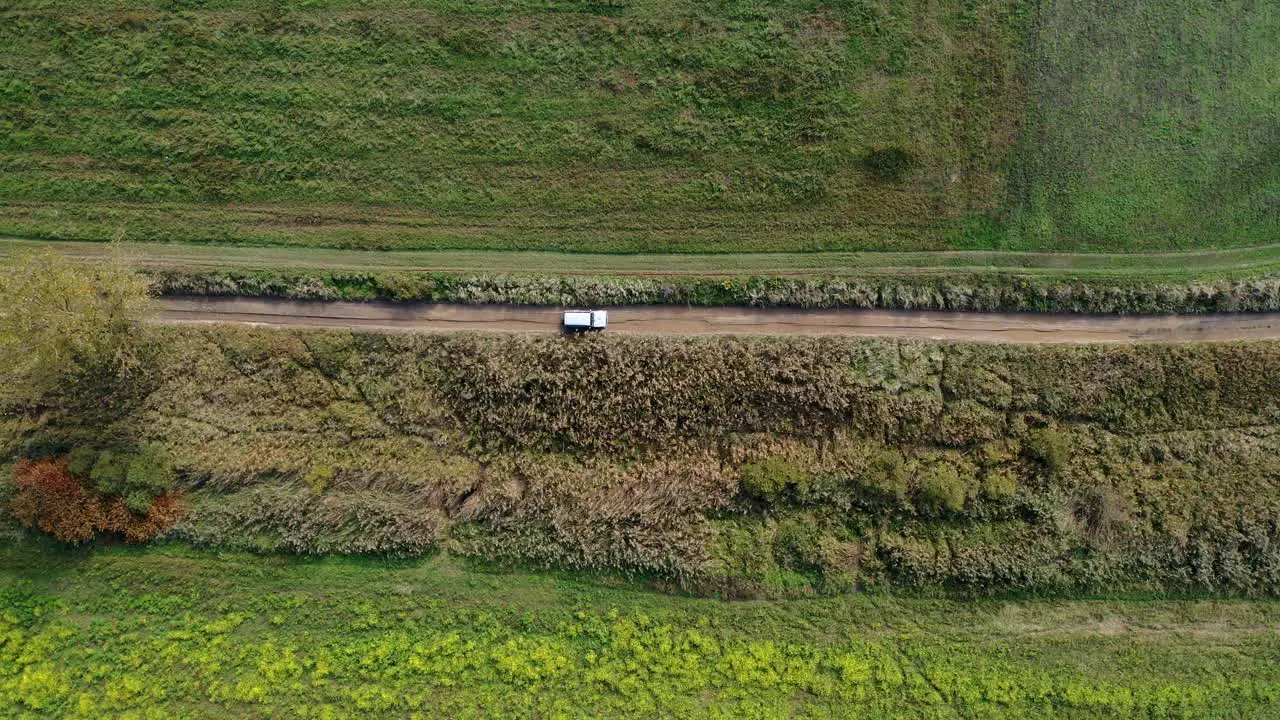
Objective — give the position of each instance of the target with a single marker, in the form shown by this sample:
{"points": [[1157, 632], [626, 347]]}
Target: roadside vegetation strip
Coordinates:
{"points": [[1203, 282], [203, 635], [734, 466], [983, 293]]}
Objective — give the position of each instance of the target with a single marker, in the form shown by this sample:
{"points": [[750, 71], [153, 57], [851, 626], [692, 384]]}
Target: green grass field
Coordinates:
{"points": [[170, 632], [644, 125], [1151, 124]]}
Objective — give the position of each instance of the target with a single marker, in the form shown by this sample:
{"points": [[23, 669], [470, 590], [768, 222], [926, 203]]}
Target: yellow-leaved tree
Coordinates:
{"points": [[76, 362], [69, 330]]}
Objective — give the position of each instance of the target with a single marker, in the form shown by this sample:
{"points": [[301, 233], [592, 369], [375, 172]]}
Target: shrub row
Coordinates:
{"points": [[987, 293]]}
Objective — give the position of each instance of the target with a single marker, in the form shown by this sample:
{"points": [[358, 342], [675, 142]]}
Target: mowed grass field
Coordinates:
{"points": [[170, 632], [643, 126]]}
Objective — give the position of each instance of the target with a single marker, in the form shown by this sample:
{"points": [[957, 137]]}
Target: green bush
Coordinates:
{"points": [[942, 490], [1048, 446], [82, 460], [886, 477], [999, 484], [319, 477], [797, 544], [150, 474], [110, 470], [773, 479], [137, 476]]}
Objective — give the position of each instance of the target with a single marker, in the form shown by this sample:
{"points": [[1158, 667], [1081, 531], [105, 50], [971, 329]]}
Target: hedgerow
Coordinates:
{"points": [[738, 466], [987, 293]]}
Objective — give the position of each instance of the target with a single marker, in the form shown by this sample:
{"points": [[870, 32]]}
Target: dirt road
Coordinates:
{"points": [[664, 320]]}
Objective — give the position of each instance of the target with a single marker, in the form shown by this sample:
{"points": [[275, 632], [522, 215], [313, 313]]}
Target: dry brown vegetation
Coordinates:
{"points": [[734, 465]]}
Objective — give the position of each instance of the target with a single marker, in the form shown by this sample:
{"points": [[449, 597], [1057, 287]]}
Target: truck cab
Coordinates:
{"points": [[584, 320]]}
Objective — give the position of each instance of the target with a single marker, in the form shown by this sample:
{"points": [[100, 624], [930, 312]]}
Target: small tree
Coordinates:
{"points": [[68, 328]]}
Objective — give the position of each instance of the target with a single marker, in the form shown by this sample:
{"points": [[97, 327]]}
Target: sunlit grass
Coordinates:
{"points": [[172, 632]]}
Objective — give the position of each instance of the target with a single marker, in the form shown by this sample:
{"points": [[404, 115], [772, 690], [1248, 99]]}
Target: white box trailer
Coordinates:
{"points": [[586, 319]]}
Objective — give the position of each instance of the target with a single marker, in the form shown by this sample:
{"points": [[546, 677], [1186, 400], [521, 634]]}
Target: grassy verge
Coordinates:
{"points": [[1242, 280], [172, 632]]}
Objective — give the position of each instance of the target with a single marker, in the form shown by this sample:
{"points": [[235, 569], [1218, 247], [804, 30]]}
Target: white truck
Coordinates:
{"points": [[584, 320]]}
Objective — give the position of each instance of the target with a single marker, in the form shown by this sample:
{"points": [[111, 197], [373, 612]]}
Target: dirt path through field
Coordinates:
{"points": [[1172, 266], [664, 320]]}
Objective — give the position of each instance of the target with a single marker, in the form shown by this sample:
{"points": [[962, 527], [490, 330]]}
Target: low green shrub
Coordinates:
{"points": [[1050, 447], [773, 478], [887, 477], [999, 485], [319, 477], [797, 544], [942, 490]]}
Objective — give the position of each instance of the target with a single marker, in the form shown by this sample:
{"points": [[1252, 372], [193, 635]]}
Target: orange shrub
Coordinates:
{"points": [[119, 519], [51, 499]]}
